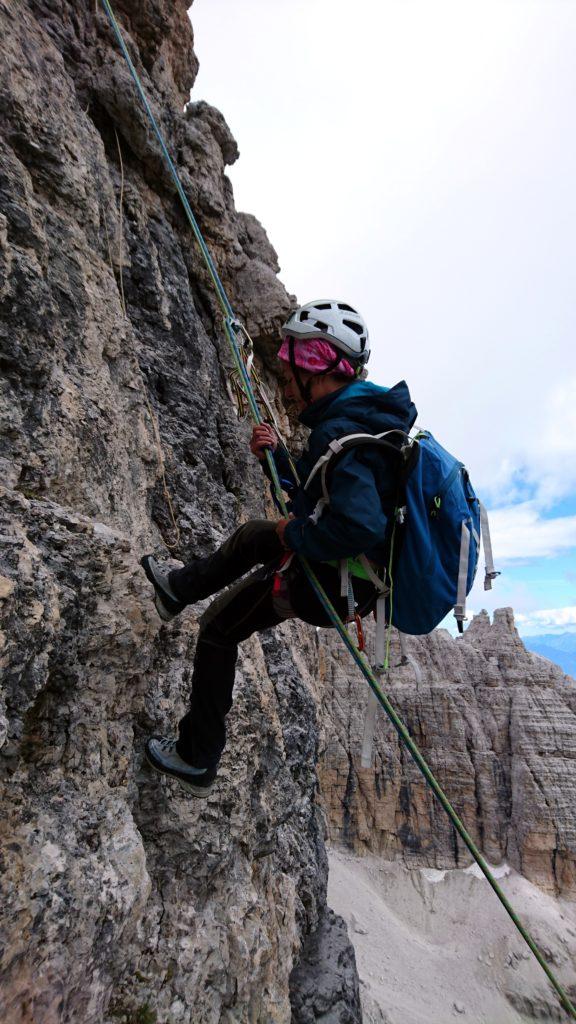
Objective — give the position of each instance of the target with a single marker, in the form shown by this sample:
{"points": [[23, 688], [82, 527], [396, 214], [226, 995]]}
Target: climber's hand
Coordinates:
{"points": [[263, 436]]}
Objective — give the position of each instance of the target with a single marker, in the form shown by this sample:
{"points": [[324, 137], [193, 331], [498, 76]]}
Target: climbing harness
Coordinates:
{"points": [[236, 339]]}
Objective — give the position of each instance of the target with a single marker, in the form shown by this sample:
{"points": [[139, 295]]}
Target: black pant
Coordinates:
{"points": [[244, 609]]}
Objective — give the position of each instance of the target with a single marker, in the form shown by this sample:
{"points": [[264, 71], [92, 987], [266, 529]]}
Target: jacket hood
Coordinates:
{"points": [[369, 406]]}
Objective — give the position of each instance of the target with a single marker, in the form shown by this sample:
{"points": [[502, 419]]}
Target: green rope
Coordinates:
{"points": [[358, 656], [220, 291]]}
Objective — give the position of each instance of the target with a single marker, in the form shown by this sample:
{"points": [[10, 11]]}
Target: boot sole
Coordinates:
{"points": [[195, 790]]}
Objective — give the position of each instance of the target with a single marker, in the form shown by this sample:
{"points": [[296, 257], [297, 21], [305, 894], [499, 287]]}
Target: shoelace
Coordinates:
{"points": [[167, 746]]}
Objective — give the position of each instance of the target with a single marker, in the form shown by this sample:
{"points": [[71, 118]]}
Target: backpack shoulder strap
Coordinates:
{"points": [[336, 446], [340, 445]]}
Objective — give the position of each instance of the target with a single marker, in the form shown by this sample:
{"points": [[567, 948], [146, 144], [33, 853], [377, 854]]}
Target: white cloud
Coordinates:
{"points": [[445, 214], [540, 457], [547, 620], [520, 533]]}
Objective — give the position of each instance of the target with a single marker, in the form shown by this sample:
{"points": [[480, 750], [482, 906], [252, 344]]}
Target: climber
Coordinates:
{"points": [[323, 354]]}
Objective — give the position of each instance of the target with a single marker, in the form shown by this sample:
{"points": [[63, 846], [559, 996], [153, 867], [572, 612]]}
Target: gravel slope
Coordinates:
{"points": [[436, 946]]}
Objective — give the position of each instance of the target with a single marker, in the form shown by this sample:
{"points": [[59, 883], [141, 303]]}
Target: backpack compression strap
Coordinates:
{"points": [[460, 606], [491, 573]]}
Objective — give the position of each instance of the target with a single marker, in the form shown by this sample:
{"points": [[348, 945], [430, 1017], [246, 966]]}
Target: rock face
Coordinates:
{"points": [[123, 899], [313, 982], [496, 724]]}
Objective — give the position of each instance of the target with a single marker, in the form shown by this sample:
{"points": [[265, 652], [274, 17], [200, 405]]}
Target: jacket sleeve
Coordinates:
{"points": [[352, 523]]}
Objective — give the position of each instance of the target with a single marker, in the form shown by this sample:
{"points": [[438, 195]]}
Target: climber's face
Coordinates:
{"points": [[317, 386], [290, 390]]}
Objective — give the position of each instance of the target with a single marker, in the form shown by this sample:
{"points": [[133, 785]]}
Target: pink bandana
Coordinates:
{"points": [[315, 355]]}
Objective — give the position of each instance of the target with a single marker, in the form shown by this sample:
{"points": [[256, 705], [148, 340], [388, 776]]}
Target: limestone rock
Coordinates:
{"points": [[496, 724], [123, 898], [316, 997]]}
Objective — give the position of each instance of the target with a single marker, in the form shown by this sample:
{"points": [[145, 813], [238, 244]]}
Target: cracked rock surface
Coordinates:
{"points": [[123, 899]]}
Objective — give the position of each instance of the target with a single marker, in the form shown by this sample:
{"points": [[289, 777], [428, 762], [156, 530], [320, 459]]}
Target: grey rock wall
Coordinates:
{"points": [[122, 898]]}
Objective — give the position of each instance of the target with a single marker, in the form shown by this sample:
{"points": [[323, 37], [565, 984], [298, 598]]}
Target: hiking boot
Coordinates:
{"points": [[167, 604], [163, 756]]}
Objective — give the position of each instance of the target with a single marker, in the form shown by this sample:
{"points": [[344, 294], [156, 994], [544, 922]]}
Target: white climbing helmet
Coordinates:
{"points": [[334, 321]]}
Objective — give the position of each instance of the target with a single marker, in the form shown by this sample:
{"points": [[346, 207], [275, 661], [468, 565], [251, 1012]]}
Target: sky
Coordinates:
{"points": [[418, 161]]}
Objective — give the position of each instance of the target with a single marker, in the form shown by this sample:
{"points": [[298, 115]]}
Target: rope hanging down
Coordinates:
{"points": [[234, 329]]}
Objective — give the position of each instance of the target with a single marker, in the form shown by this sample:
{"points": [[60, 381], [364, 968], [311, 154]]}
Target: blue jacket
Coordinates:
{"points": [[355, 521]]}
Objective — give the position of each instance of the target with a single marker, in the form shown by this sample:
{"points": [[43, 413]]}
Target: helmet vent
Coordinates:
{"points": [[335, 322], [357, 328]]}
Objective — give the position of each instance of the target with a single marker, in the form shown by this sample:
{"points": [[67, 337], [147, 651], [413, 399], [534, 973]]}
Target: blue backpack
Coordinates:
{"points": [[435, 541], [439, 551]]}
